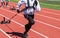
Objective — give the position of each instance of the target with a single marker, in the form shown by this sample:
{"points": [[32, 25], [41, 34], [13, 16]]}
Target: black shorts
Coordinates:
{"points": [[28, 16]]}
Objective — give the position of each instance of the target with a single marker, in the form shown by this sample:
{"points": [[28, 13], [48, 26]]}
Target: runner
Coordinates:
{"points": [[6, 2], [30, 7], [2, 3]]}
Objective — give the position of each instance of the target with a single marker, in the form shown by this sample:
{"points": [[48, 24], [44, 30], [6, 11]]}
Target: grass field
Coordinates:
{"points": [[49, 4], [14, 1]]}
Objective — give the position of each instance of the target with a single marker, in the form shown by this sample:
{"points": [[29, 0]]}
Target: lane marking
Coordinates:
{"points": [[5, 33], [48, 24], [50, 12], [48, 17]]}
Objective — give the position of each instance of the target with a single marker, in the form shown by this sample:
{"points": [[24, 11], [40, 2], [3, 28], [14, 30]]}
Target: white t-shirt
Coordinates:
{"points": [[31, 10]]}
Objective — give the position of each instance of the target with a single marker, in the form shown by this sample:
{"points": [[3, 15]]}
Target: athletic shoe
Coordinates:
{"points": [[25, 35]]}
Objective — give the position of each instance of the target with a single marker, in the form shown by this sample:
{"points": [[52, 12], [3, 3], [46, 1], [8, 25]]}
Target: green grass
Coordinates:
{"points": [[49, 4], [14, 1], [52, 2]]}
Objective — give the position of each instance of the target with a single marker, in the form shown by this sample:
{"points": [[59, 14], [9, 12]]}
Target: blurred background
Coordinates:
{"points": [[52, 4]]}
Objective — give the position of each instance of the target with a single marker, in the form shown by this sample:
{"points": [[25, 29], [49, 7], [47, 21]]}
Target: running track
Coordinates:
{"points": [[47, 23]]}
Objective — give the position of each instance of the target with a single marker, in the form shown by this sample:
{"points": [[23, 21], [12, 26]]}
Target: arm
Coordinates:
{"points": [[38, 8], [19, 4]]}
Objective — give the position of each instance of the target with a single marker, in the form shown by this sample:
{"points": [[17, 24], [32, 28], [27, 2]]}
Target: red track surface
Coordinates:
{"points": [[47, 23]]}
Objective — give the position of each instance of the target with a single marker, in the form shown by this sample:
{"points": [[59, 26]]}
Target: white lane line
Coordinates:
{"points": [[50, 12], [23, 26], [48, 24], [48, 17], [5, 33]]}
